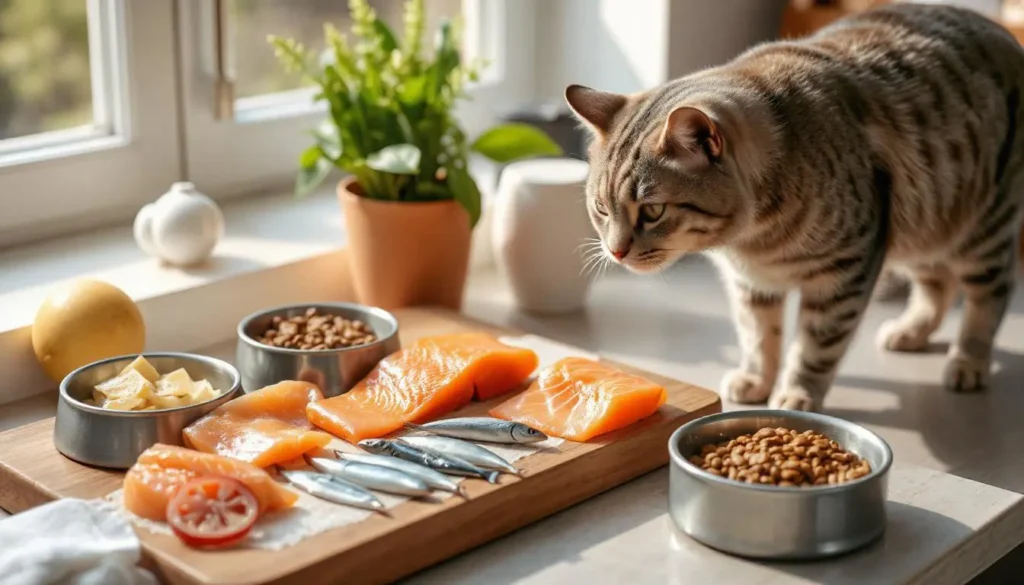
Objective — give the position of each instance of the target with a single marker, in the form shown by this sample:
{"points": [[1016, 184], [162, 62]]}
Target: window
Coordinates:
{"points": [[247, 121], [79, 119], [135, 95]]}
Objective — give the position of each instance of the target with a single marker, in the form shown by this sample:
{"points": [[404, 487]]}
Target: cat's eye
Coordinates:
{"points": [[601, 209], [652, 211]]}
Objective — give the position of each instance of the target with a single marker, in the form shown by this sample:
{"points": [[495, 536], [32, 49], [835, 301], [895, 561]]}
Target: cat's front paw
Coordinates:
{"points": [[896, 335], [745, 388], [793, 399], [966, 374]]}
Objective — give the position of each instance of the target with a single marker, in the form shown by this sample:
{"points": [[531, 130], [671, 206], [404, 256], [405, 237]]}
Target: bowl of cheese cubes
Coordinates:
{"points": [[110, 411]]}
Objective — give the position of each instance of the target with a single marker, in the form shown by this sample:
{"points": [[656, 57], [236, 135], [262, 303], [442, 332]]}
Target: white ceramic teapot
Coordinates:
{"points": [[182, 227]]}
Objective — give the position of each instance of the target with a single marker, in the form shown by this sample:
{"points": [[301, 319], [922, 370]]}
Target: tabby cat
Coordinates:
{"points": [[887, 138]]}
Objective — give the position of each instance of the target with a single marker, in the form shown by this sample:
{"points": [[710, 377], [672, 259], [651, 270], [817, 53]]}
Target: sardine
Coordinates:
{"points": [[483, 429], [430, 458], [333, 489], [374, 477], [464, 450], [434, 479]]}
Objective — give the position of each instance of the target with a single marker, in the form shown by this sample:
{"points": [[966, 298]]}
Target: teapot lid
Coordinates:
{"points": [[183, 187]]}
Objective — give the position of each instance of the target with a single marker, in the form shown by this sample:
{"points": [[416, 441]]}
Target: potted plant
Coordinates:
{"points": [[409, 200]]}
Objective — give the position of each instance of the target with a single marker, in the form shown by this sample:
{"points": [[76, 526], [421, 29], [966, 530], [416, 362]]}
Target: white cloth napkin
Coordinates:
{"points": [[70, 542]]}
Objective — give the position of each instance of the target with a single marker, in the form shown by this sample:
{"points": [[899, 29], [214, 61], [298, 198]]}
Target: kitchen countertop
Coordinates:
{"points": [[678, 325]]}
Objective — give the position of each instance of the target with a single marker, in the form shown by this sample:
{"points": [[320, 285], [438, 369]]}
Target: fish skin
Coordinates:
{"points": [[433, 478], [434, 459], [464, 450], [373, 477], [333, 489], [483, 429]]}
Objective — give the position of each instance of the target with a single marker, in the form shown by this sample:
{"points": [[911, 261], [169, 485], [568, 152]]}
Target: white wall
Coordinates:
{"points": [[630, 45]]}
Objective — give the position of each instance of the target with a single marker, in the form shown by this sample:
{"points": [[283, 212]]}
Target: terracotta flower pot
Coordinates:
{"points": [[406, 253]]}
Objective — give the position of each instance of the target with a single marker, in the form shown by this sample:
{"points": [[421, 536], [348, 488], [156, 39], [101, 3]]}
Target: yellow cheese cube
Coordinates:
{"points": [[170, 401], [142, 366], [203, 391], [177, 383], [130, 384], [125, 404]]}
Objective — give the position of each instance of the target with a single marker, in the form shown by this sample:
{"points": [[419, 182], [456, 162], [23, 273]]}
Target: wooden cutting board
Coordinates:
{"points": [[378, 549]]}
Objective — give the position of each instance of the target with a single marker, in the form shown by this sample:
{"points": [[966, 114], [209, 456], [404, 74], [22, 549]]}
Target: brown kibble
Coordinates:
{"points": [[314, 331], [790, 475], [781, 457]]}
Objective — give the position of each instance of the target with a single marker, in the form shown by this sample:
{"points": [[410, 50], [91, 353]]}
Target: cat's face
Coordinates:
{"points": [[656, 190]]}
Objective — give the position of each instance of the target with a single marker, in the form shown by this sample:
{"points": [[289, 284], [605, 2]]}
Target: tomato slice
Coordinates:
{"points": [[212, 511]]}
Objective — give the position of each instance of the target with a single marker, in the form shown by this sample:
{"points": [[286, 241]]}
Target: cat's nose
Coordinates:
{"points": [[620, 253]]}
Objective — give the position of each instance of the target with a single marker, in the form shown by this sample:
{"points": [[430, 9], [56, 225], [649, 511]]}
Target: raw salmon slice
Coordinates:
{"points": [[162, 469], [264, 427], [422, 382], [495, 367], [579, 399]]}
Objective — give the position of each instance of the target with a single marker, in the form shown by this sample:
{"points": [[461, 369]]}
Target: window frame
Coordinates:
{"points": [[68, 180], [159, 109], [257, 151]]}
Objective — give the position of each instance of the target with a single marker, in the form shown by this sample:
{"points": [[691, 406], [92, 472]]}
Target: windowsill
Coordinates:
{"points": [[275, 250]]}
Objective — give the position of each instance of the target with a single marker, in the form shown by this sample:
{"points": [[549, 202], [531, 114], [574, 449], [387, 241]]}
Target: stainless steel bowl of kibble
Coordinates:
{"points": [[332, 345], [775, 484]]}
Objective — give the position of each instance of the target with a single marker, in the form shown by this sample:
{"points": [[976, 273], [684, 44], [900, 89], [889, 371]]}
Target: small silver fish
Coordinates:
{"points": [[434, 479], [464, 450], [433, 459], [333, 489], [483, 429], [374, 477]]}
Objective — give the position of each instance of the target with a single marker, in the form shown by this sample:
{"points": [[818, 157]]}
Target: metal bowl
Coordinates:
{"points": [[114, 438], [770, 522], [334, 371]]}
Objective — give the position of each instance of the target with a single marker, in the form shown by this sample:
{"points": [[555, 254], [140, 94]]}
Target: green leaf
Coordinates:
{"points": [[411, 91], [508, 142], [398, 159], [328, 140], [387, 38], [314, 169], [465, 191]]}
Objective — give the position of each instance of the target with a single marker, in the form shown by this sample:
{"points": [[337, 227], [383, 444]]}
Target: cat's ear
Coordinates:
{"points": [[690, 135], [596, 108]]}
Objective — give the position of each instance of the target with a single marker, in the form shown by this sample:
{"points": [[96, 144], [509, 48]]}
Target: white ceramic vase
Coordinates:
{"points": [[539, 222], [181, 228]]}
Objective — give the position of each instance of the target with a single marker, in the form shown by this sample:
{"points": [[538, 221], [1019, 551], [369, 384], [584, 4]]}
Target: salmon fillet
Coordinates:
{"points": [[264, 427], [578, 399], [495, 367], [422, 382], [162, 469]]}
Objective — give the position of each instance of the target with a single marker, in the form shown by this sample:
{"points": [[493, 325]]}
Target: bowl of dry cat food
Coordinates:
{"points": [[332, 345], [111, 410], [777, 484]]}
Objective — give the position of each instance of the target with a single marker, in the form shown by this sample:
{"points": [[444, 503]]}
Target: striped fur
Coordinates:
{"points": [[889, 138]]}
